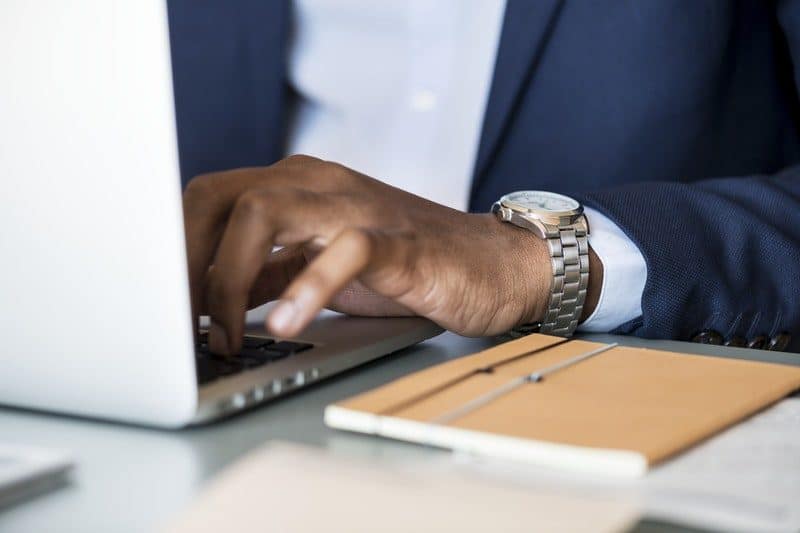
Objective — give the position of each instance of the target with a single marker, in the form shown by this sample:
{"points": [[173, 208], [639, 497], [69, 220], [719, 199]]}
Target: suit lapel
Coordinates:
{"points": [[527, 25]]}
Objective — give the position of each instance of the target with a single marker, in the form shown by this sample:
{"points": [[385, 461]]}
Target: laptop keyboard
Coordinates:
{"points": [[256, 352]]}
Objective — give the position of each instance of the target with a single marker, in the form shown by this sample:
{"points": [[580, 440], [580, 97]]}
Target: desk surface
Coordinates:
{"points": [[132, 479]]}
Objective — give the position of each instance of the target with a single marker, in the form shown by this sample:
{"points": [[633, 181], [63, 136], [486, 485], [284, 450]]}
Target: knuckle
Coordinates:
{"points": [[360, 240], [301, 160], [252, 203], [340, 174], [338, 177], [200, 188]]}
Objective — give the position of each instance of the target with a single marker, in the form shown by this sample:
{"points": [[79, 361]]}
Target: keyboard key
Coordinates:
{"points": [[248, 343], [206, 373], [252, 360], [274, 355], [283, 349], [290, 347], [226, 366], [256, 342]]}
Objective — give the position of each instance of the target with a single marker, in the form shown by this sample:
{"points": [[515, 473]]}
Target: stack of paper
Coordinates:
{"points": [[289, 488]]}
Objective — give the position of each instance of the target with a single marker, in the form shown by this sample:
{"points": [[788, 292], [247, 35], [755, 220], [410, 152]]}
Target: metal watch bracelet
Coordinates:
{"points": [[569, 256], [569, 253]]}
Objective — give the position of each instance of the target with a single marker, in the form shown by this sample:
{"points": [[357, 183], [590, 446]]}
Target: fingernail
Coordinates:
{"points": [[283, 315], [218, 339]]}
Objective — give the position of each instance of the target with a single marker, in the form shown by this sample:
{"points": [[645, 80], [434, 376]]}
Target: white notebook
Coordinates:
{"points": [[26, 471]]}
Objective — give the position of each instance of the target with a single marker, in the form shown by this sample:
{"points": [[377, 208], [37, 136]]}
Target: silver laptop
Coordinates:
{"points": [[94, 301]]}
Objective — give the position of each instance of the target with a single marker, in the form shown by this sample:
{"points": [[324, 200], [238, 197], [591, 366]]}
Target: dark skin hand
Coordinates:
{"points": [[356, 245]]}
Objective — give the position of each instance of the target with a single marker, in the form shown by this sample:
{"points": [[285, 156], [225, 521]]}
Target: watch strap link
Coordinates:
{"points": [[569, 252]]}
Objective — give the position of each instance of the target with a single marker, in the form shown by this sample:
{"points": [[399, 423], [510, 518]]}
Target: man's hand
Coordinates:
{"points": [[356, 245]]}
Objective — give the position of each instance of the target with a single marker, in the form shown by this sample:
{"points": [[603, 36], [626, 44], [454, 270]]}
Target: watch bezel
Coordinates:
{"points": [[506, 201]]}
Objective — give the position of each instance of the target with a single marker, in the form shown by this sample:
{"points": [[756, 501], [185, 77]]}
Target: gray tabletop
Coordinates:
{"points": [[133, 479]]}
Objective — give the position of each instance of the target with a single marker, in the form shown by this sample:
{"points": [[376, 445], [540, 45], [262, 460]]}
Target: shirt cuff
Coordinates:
{"points": [[624, 275]]}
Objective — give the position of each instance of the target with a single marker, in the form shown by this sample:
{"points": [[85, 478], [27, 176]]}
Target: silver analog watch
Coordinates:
{"points": [[560, 221]]}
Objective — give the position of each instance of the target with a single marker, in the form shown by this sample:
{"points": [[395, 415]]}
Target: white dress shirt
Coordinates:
{"points": [[397, 89]]}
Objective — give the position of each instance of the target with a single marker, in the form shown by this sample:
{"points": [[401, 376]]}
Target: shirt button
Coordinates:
{"points": [[423, 100]]}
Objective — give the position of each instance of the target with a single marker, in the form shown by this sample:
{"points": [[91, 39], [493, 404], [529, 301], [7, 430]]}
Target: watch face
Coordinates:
{"points": [[541, 202]]}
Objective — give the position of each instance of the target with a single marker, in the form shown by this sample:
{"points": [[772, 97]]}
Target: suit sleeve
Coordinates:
{"points": [[722, 254]]}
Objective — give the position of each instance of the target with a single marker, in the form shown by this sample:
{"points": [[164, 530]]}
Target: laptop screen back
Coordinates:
{"points": [[94, 313]]}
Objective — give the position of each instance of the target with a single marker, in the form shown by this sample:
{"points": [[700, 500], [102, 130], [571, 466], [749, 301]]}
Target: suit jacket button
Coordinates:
{"points": [[708, 336], [736, 342], [757, 343], [779, 342]]}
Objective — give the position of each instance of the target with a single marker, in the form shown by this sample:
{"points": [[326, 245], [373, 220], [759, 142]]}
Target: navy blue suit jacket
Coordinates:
{"points": [[678, 119]]}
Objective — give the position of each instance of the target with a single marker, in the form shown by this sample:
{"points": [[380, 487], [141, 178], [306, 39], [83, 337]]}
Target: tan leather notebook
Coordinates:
{"points": [[571, 404]]}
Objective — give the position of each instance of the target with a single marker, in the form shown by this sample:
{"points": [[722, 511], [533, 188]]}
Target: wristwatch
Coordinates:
{"points": [[560, 221]]}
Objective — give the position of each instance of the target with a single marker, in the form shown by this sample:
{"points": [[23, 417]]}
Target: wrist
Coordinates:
{"points": [[595, 286], [529, 271]]}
